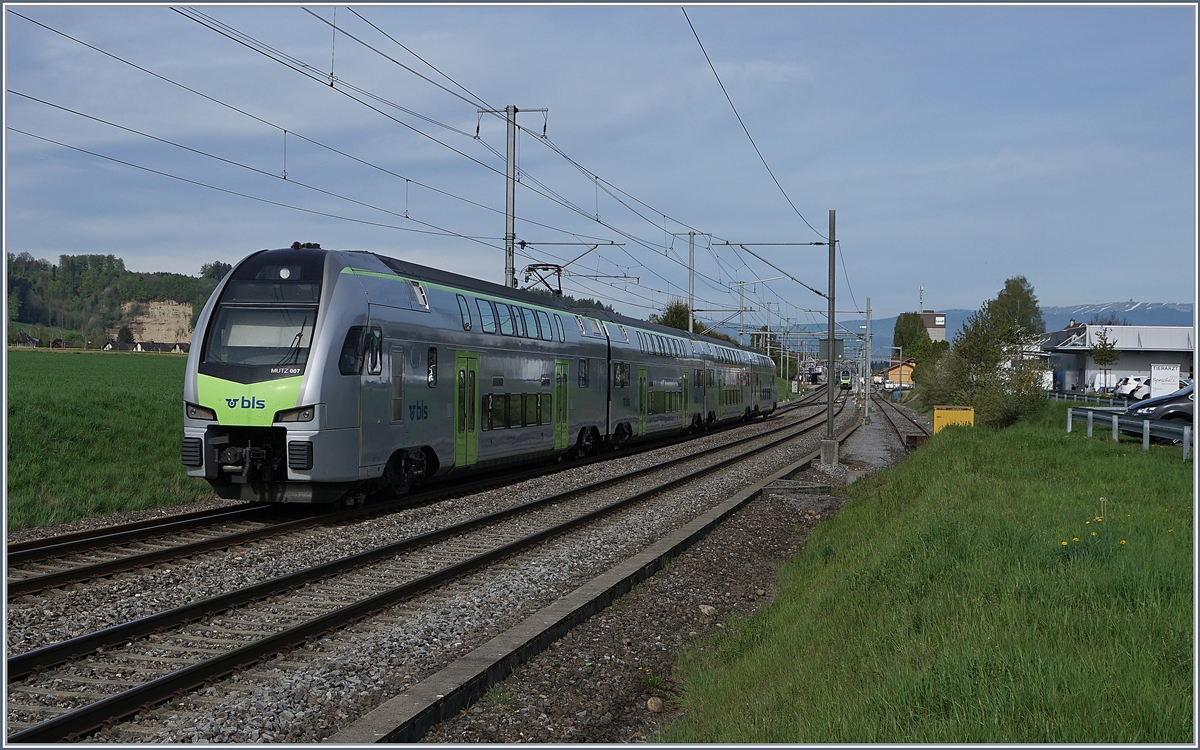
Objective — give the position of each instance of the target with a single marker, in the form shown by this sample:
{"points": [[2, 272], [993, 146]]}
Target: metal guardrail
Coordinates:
{"points": [[1119, 422], [1076, 397]]}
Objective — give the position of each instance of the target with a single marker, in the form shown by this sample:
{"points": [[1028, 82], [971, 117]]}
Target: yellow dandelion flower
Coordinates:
{"points": [[1085, 523], [1170, 530], [1075, 539], [1122, 541], [1093, 533], [1065, 544]]}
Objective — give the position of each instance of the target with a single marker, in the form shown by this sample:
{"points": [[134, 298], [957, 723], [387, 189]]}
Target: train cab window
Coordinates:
{"points": [[544, 326], [508, 326], [562, 335], [397, 375], [431, 360], [487, 315], [584, 379], [464, 311], [351, 360], [374, 351], [531, 325]]}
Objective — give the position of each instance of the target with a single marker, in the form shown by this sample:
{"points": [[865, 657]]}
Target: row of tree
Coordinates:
{"points": [[89, 293]]}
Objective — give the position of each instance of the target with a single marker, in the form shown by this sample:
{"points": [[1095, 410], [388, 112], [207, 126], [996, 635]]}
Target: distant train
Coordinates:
{"points": [[844, 380], [317, 376]]}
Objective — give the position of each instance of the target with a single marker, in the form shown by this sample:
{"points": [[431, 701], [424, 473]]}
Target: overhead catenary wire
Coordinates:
{"points": [[441, 232], [743, 124]]}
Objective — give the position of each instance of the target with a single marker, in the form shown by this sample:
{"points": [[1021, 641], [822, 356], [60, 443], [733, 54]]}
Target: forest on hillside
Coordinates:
{"points": [[88, 293]]}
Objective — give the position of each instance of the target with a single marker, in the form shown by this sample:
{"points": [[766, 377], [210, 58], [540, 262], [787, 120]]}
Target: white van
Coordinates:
{"points": [[1098, 383]]}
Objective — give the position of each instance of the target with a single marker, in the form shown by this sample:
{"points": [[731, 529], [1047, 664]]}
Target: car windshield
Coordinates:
{"points": [[258, 336]]}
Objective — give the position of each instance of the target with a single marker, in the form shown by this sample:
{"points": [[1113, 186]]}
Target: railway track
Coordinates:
{"points": [[908, 431], [39, 565], [52, 690]]}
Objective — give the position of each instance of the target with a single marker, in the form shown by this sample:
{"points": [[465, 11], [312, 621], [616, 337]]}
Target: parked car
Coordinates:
{"points": [[1125, 386], [1142, 391], [1178, 405]]}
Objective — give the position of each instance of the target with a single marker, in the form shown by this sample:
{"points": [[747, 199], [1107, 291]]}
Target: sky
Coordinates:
{"points": [[959, 145]]}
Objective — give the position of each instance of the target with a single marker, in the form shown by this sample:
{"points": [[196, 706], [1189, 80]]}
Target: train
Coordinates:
{"points": [[844, 380], [321, 376]]}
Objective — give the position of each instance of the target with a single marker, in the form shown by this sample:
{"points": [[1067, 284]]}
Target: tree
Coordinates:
{"points": [[909, 326], [989, 367], [1104, 352], [674, 315], [125, 336], [215, 270], [1016, 307], [1108, 319]]}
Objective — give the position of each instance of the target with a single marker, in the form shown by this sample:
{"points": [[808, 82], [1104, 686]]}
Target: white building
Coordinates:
{"points": [[1071, 360]]}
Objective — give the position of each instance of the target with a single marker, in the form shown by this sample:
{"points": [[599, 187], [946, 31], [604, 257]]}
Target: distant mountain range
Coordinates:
{"points": [[1136, 313]]}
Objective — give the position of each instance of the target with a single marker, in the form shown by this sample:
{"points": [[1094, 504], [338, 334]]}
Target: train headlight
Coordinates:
{"points": [[303, 414], [198, 412]]}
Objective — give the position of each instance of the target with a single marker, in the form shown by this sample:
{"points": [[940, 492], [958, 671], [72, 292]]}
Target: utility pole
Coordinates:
{"points": [[692, 281], [829, 380], [510, 191], [867, 381]]}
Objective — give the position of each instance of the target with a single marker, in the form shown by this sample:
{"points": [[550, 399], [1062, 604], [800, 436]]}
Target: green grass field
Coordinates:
{"points": [[979, 592], [94, 432]]}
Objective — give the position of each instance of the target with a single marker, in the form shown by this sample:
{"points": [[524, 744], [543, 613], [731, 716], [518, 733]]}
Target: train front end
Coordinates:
{"points": [[255, 416]]}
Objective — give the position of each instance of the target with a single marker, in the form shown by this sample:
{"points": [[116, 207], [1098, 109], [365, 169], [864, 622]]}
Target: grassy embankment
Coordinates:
{"points": [[974, 593], [93, 432]]}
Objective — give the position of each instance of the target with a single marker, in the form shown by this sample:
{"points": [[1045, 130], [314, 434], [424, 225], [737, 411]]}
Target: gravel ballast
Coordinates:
{"points": [[310, 694]]}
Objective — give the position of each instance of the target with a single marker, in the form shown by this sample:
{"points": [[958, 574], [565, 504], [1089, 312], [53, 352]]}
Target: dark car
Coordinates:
{"points": [[1177, 405]]}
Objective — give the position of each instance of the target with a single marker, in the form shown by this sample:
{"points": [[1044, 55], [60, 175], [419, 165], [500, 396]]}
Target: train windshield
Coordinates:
{"points": [[258, 336]]}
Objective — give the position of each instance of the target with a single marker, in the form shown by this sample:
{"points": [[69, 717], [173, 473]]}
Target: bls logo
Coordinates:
{"points": [[418, 410], [246, 403]]}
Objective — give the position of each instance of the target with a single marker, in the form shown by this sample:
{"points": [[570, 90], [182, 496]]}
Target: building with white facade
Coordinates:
{"points": [[1070, 352]]}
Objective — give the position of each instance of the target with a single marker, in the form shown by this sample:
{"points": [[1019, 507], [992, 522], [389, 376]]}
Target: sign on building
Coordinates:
{"points": [[1164, 379]]}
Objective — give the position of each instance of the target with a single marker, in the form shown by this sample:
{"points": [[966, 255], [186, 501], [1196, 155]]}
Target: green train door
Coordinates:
{"points": [[562, 403], [643, 400], [466, 422]]}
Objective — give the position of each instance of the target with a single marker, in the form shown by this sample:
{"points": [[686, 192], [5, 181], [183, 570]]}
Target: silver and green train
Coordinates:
{"points": [[317, 376]]}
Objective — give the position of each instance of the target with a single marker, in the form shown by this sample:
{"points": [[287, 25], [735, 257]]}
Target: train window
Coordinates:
{"points": [[712, 379], [584, 379], [499, 411], [531, 325], [431, 360], [544, 326], [374, 351], [547, 408], [420, 292], [487, 315], [397, 375], [595, 326], [464, 311], [507, 325], [579, 320], [485, 412], [531, 409], [562, 335], [471, 401], [514, 410], [351, 360], [624, 333]]}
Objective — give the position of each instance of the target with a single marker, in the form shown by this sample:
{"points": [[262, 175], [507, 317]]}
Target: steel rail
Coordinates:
{"points": [[22, 665], [34, 584], [22, 551], [75, 723]]}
